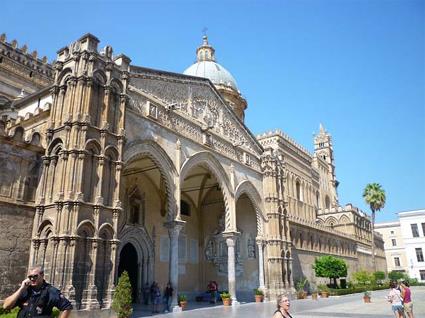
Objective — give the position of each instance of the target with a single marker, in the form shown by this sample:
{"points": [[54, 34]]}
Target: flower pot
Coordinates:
{"points": [[314, 296], [302, 295], [366, 299], [227, 301], [324, 294], [183, 304], [259, 298]]}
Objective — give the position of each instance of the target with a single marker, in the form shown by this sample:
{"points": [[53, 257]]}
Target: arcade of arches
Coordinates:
{"points": [[108, 166]]}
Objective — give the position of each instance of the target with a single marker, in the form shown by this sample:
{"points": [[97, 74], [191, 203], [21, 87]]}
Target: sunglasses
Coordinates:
{"points": [[33, 277]]}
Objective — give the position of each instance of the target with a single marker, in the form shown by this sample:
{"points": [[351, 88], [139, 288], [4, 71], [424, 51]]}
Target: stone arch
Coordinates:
{"points": [[100, 76], [144, 245], [93, 144], [246, 187], [157, 154], [331, 221], [86, 226], [34, 138], [344, 219], [212, 163], [63, 76], [53, 145], [117, 85], [113, 151]]}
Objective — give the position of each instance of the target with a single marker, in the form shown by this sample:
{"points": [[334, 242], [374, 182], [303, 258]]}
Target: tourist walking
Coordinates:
{"points": [[406, 295], [36, 298], [394, 297], [168, 294], [283, 305]]}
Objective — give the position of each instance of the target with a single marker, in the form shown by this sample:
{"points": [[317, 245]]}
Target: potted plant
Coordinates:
{"points": [[324, 290], [182, 301], [366, 296], [226, 298], [301, 294], [122, 298], [259, 295], [314, 294]]}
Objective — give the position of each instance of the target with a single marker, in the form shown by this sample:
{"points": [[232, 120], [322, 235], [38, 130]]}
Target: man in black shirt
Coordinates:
{"points": [[36, 298]]}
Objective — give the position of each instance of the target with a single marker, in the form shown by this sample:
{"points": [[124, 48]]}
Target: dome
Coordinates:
{"points": [[216, 73], [207, 67]]}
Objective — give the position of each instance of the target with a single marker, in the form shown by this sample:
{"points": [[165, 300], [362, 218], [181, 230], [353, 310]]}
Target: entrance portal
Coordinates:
{"points": [[129, 263]]}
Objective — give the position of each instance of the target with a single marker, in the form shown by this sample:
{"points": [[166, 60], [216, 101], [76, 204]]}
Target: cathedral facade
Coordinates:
{"points": [[108, 166]]}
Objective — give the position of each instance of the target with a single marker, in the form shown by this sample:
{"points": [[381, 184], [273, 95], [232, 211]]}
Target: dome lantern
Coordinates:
{"points": [[207, 67]]}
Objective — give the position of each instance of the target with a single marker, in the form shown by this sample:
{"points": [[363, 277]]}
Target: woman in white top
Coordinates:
{"points": [[394, 297]]}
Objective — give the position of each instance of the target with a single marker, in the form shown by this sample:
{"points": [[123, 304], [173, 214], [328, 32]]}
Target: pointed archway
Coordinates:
{"points": [[129, 262]]}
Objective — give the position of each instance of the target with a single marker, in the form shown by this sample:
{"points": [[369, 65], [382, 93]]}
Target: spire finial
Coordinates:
{"points": [[321, 129]]}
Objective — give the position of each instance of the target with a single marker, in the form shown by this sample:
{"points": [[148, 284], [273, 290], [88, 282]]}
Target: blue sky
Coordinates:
{"points": [[358, 67]]}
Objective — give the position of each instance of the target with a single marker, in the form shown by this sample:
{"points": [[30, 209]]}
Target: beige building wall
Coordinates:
{"points": [[395, 253]]}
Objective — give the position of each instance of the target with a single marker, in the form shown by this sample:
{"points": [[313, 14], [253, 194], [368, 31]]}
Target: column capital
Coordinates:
{"points": [[231, 237], [174, 227]]}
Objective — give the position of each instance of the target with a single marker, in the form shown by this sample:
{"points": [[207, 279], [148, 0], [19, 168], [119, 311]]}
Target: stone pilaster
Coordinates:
{"points": [[174, 228], [231, 264], [260, 245]]}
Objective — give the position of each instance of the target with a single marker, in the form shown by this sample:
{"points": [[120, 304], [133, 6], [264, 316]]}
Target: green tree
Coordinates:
{"points": [[330, 267], [122, 300], [396, 275], [374, 196], [363, 277], [379, 276]]}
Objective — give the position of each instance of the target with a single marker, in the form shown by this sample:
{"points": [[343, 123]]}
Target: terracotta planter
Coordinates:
{"points": [[183, 304], [259, 298], [324, 294], [366, 299], [314, 296], [301, 295], [227, 301]]}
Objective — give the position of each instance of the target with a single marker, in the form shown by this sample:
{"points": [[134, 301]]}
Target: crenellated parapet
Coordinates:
{"points": [[26, 70]]}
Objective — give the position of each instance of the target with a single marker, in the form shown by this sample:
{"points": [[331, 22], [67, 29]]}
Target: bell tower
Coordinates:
{"points": [[75, 228], [323, 149]]}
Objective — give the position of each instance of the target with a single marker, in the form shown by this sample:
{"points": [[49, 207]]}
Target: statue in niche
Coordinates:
{"points": [[221, 224], [251, 248]]}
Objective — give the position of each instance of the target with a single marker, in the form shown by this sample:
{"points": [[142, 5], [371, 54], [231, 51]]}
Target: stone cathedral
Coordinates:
{"points": [[107, 166]]}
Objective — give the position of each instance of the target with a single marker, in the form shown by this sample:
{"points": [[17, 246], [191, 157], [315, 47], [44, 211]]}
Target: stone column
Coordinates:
{"points": [[260, 244], [174, 228], [231, 264]]}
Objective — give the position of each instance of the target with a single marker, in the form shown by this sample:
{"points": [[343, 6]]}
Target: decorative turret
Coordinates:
{"points": [[207, 67]]}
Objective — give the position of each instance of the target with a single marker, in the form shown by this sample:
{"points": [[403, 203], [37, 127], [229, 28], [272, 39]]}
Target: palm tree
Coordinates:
{"points": [[374, 195]]}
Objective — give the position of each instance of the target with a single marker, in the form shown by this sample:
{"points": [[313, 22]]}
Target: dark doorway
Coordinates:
{"points": [[129, 263]]}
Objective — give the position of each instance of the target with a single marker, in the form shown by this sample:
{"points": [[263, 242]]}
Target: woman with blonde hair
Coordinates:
{"points": [[282, 307]]}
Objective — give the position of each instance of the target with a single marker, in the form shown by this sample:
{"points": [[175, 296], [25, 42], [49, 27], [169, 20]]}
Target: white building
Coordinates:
{"points": [[404, 243]]}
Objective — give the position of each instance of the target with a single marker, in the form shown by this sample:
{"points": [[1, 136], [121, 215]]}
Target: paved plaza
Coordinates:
{"points": [[338, 306]]}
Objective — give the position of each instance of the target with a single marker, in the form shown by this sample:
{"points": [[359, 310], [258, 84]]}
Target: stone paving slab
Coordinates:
{"points": [[351, 306]]}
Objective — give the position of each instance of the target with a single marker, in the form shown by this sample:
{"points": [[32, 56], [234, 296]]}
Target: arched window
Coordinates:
{"points": [[327, 202], [298, 190], [136, 215], [318, 199]]}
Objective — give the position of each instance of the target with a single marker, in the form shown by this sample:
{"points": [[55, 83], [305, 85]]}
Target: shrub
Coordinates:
{"points": [[395, 275], [258, 291], [323, 287], [122, 300], [182, 297], [363, 277], [225, 295]]}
